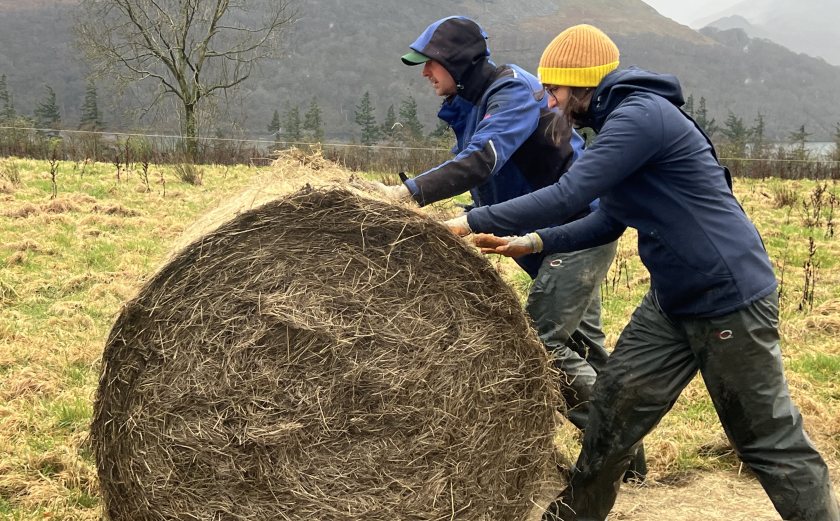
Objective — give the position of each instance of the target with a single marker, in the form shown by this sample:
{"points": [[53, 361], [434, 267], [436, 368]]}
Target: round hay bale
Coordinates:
{"points": [[324, 357]]}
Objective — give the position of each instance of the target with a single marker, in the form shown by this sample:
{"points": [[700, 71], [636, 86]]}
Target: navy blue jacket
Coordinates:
{"points": [[654, 171]]}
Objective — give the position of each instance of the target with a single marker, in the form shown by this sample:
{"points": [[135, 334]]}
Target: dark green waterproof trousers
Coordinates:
{"points": [[564, 305], [739, 358]]}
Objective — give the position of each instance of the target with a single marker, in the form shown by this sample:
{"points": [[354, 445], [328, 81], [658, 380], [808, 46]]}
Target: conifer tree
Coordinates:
{"points": [[689, 105], [47, 114], [702, 118], [7, 105], [412, 128], [736, 135], [835, 155], [274, 124], [91, 116], [389, 126], [441, 130], [367, 121], [759, 148], [291, 126], [313, 125], [798, 139], [442, 135]]}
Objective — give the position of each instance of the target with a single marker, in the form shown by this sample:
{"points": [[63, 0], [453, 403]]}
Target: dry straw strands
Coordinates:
{"points": [[324, 356]]}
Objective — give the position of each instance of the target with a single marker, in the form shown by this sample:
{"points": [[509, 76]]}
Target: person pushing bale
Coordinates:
{"points": [[712, 306]]}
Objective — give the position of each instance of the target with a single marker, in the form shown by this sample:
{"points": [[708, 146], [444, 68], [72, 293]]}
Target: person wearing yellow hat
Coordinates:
{"points": [[712, 306]]}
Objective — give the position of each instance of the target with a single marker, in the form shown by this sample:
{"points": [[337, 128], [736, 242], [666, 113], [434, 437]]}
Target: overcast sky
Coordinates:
{"points": [[687, 11]]}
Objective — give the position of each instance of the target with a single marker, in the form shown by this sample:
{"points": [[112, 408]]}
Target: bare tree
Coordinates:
{"points": [[189, 48]]}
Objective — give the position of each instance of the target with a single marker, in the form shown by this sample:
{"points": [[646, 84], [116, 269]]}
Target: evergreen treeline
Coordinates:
{"points": [[743, 147], [47, 113], [401, 126], [741, 141]]}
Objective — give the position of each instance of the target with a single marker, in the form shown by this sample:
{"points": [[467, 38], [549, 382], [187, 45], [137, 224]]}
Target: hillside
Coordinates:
{"points": [[739, 22], [340, 49], [806, 26]]}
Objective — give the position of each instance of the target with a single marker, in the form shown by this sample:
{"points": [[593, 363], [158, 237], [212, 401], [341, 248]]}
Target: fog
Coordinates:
{"points": [[687, 12]]}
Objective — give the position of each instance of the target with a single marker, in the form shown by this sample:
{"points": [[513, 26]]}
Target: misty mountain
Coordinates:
{"points": [[739, 22], [806, 26], [339, 49]]}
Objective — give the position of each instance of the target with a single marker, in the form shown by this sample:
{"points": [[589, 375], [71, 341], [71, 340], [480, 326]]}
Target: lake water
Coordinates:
{"points": [[816, 148], [821, 148]]}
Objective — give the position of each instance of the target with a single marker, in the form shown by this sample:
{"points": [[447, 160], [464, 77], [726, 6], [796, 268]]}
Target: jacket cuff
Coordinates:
{"points": [[411, 184], [536, 242]]}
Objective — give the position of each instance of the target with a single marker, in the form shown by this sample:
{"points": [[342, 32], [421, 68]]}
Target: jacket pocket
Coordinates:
{"points": [[693, 258]]}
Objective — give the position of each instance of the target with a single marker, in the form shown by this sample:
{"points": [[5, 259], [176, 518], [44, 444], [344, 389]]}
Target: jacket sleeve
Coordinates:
{"points": [[631, 136], [512, 116], [595, 229]]}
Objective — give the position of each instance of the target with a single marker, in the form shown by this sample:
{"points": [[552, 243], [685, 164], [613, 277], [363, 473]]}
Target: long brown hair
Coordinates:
{"points": [[579, 98], [559, 129]]}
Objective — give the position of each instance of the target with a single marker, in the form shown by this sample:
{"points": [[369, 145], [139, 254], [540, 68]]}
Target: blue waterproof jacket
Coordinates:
{"points": [[654, 171], [505, 147], [508, 142]]}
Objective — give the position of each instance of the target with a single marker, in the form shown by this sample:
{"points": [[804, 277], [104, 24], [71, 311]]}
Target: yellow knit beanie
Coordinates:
{"points": [[580, 56]]}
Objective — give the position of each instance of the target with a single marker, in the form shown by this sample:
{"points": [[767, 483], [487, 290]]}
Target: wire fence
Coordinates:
{"points": [[128, 147]]}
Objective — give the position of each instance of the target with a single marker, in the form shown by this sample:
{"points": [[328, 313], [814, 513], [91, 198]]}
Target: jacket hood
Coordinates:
{"points": [[619, 84], [457, 43]]}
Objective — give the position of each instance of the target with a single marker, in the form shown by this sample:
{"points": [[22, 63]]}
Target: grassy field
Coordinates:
{"points": [[68, 263]]}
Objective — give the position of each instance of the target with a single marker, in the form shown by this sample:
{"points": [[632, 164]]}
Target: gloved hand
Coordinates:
{"points": [[392, 193], [515, 246], [458, 225], [396, 193]]}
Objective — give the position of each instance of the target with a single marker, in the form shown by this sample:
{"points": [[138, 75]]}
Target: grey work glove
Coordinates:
{"points": [[391, 193], [515, 246], [458, 225], [398, 192]]}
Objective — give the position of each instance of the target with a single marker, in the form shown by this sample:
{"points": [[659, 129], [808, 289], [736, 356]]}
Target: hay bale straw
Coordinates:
{"points": [[324, 356]]}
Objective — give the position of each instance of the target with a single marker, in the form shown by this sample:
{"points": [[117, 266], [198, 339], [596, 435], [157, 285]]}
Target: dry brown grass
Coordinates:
{"points": [[49, 362], [21, 211]]}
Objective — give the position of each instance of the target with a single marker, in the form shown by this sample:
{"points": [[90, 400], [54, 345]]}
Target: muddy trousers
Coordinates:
{"points": [[739, 358], [565, 307]]}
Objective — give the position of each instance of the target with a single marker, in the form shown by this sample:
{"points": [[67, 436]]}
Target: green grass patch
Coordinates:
{"points": [[83, 499], [77, 374], [521, 282], [8, 293], [820, 368], [100, 256], [40, 442], [73, 414], [700, 410], [35, 309], [5, 507]]}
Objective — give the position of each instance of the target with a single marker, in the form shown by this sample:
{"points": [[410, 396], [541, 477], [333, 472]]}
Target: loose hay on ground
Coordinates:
{"points": [[324, 356]]}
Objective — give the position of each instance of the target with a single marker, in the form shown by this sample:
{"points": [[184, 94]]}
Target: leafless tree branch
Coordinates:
{"points": [[190, 48]]}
